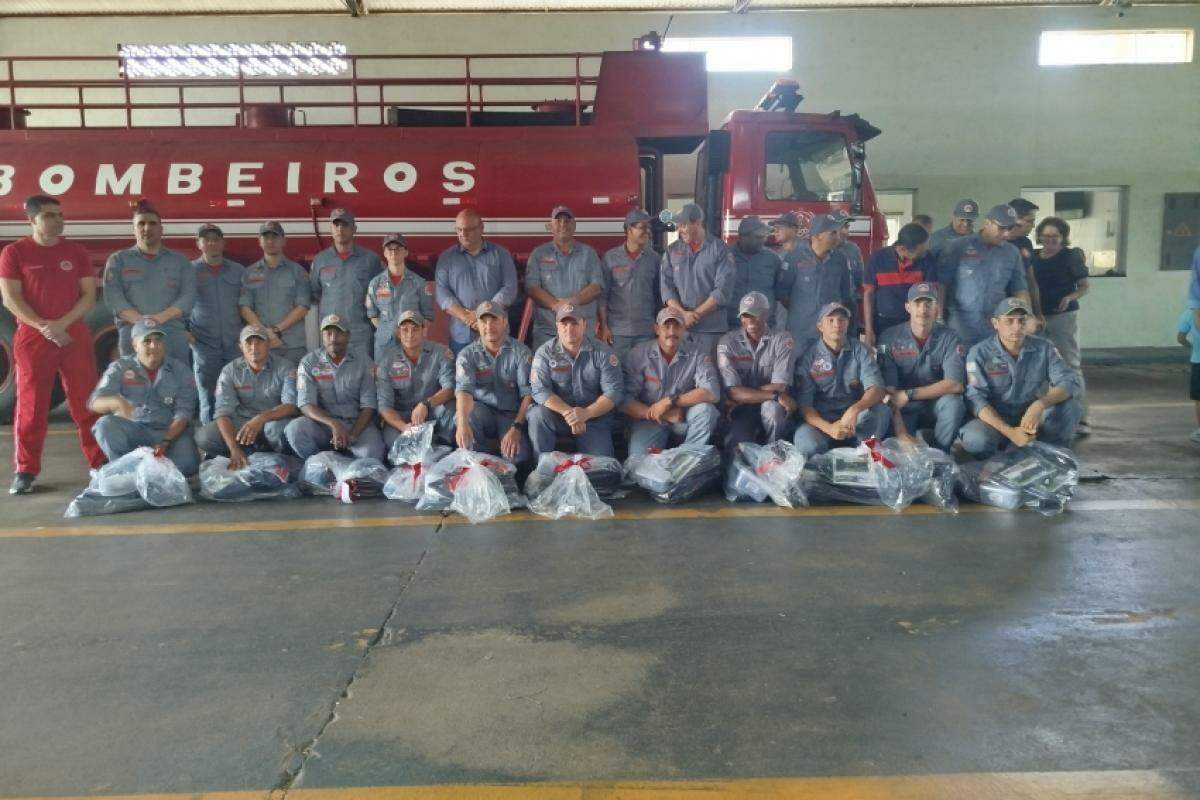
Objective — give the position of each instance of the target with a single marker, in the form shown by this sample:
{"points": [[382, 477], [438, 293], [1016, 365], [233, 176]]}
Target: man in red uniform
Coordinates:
{"points": [[49, 285]]}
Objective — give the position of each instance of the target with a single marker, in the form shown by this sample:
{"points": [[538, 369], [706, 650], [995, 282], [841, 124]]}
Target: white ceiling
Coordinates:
{"points": [[173, 7]]}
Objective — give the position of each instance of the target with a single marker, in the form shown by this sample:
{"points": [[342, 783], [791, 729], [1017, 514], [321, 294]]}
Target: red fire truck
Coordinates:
{"points": [[205, 150]]}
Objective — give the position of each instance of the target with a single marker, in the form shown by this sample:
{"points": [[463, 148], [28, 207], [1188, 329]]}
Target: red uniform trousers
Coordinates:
{"points": [[38, 360]]}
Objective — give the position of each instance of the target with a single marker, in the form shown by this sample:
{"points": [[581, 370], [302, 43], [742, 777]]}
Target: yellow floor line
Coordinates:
{"points": [[117, 526], [1115, 785]]}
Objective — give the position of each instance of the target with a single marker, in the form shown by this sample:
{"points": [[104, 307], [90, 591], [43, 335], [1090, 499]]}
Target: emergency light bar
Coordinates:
{"points": [[231, 60]]}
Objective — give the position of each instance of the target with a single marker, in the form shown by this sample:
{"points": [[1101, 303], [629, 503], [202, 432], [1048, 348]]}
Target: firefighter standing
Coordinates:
{"points": [[962, 223], [215, 321], [819, 276], [756, 269], [697, 278], [339, 277], [469, 273], [49, 285], [631, 287], [276, 295], [397, 290], [150, 281], [563, 272]]}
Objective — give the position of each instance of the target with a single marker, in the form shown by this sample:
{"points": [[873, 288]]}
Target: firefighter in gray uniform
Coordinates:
{"points": [[818, 276], [470, 272], [697, 278], [396, 290], [256, 398], [415, 381], [335, 391], [1018, 387], [276, 295], [563, 272], [147, 400], [962, 223], [755, 365], [756, 269], [850, 252], [148, 280], [838, 388], [576, 384], [630, 286], [214, 322], [924, 369], [671, 391], [491, 388], [978, 271], [339, 276]]}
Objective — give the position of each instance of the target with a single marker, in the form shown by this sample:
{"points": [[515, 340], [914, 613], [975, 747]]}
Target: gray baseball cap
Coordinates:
{"points": [[751, 225], [966, 209], [787, 218], [567, 311], [841, 215], [271, 227], [823, 223], [395, 238], [1011, 305], [208, 228], [344, 214], [635, 216], [833, 308], [922, 290], [561, 211], [489, 307], [689, 213], [1003, 215], [410, 315], [668, 313], [333, 321], [250, 331], [146, 327], [755, 304]]}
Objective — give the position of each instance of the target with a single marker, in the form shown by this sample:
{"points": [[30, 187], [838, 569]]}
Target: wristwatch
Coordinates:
{"points": [[519, 425], [275, 330], [909, 393], [674, 399]]}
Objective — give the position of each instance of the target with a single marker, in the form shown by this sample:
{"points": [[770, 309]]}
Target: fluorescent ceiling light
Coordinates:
{"points": [[253, 60], [1069, 48]]}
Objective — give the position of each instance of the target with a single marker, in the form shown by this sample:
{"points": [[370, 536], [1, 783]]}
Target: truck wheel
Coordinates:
{"points": [[8, 370]]}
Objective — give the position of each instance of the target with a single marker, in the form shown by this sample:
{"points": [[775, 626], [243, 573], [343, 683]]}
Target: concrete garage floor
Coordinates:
{"points": [[842, 652]]}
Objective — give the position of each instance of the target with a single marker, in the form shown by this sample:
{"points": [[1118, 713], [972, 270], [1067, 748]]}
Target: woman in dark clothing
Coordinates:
{"points": [[1061, 274]]}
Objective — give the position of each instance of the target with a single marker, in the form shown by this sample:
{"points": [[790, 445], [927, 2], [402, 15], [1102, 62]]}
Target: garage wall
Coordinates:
{"points": [[964, 107]]}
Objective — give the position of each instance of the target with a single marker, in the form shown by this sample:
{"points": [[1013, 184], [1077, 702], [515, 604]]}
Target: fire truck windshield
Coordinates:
{"points": [[808, 165]]}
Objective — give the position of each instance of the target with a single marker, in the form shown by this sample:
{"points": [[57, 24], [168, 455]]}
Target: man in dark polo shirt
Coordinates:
{"points": [[889, 273]]}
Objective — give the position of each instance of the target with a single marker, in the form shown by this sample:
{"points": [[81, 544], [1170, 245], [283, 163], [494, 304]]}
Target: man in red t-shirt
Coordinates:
{"points": [[49, 284]]}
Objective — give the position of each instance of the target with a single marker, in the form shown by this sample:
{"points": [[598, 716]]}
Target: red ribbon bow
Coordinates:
{"points": [[582, 461], [876, 456]]}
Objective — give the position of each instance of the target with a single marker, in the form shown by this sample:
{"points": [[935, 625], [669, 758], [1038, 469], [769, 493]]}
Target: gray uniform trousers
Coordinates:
{"points": [[118, 436]]}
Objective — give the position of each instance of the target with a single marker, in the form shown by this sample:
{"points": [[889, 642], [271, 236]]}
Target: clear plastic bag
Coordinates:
{"points": [[758, 472], [478, 495], [412, 446], [603, 473], [902, 472], [266, 476], [570, 494], [135, 481], [348, 479], [1038, 476], [443, 477], [678, 474], [407, 481]]}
